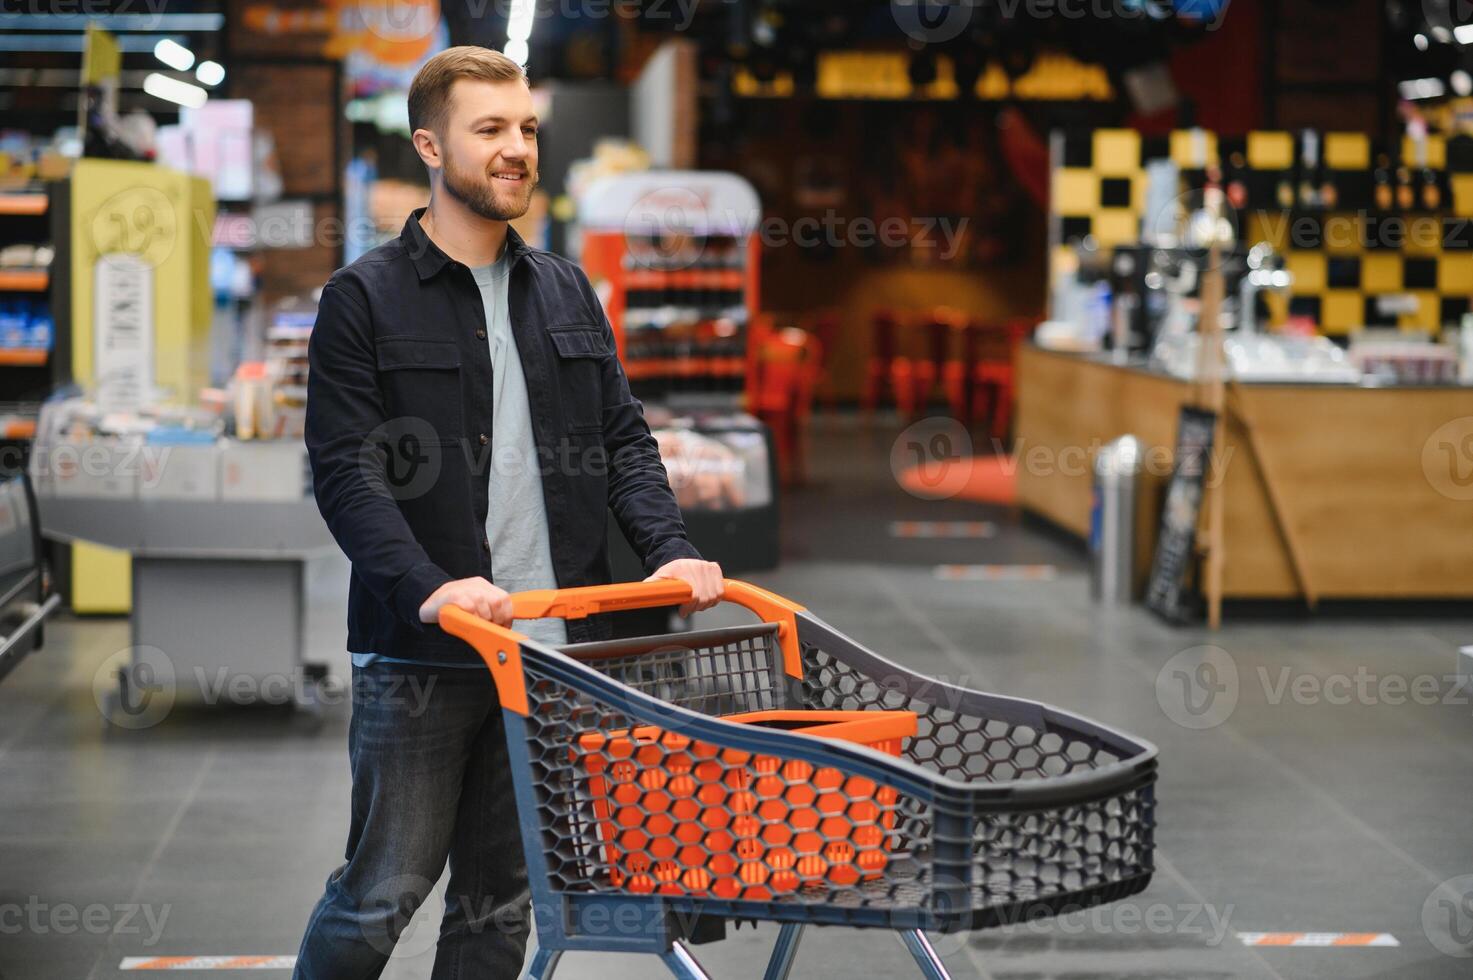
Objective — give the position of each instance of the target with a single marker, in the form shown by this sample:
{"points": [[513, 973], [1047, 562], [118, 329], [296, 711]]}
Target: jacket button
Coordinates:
{"points": [[480, 335], [486, 546], [484, 438]]}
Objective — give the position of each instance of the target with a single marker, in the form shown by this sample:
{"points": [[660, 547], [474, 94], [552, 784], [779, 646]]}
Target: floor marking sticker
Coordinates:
{"points": [[942, 529], [208, 963], [1317, 939], [997, 573]]}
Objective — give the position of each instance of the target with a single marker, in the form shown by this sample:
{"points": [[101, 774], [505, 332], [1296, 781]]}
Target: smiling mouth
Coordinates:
{"points": [[514, 177]]}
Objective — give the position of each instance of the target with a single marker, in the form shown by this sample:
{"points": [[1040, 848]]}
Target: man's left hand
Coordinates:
{"points": [[704, 578]]}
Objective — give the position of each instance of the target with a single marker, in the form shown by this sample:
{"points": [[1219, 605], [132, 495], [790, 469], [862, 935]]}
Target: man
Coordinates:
{"points": [[469, 428]]}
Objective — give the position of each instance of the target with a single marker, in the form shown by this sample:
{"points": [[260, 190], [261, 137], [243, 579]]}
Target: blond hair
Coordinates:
{"points": [[429, 93]]}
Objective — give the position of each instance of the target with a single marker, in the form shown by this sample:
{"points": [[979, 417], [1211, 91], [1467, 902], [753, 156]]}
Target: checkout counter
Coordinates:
{"points": [[1370, 484]]}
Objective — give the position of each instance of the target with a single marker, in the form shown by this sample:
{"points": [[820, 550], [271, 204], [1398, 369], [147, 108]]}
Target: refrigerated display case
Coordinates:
{"points": [[674, 255]]}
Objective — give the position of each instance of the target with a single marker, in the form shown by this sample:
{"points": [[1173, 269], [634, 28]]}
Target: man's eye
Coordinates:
{"points": [[490, 132], [530, 133]]}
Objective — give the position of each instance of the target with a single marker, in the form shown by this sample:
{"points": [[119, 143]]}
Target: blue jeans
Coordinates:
{"points": [[430, 781]]}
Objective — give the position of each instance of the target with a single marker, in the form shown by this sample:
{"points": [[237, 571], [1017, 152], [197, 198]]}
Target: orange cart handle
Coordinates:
{"points": [[500, 647]]}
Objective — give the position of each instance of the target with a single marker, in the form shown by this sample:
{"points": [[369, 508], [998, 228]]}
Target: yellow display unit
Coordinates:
{"points": [[149, 228]]}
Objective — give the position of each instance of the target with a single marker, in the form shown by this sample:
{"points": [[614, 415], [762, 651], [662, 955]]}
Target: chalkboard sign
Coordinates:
{"points": [[1171, 591]]}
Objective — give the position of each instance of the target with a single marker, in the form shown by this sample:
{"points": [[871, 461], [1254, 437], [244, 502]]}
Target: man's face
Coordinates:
{"points": [[489, 148]]}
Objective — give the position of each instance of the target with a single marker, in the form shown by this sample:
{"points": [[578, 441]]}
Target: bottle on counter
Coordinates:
{"points": [[1385, 194], [1465, 350], [1309, 170]]}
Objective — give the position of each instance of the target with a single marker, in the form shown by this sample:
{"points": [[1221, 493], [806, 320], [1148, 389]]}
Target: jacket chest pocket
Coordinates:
{"points": [[421, 381], [582, 351]]}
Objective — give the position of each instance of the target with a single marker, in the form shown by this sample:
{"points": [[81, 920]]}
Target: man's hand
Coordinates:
{"points": [[704, 578], [474, 595]]}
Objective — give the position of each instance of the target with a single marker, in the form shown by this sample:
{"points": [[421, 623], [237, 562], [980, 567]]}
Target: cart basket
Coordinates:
{"points": [[633, 784]]}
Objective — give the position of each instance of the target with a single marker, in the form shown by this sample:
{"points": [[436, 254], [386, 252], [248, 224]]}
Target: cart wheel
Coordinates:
{"points": [[115, 714], [112, 700], [309, 700]]}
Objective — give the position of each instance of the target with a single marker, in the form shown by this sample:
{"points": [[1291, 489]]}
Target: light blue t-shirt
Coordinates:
{"points": [[516, 518]]}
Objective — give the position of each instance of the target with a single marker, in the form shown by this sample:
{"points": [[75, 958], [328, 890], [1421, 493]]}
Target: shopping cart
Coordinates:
{"points": [[646, 808]]}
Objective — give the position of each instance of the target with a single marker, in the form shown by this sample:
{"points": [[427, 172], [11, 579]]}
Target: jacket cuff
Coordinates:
{"points": [[417, 585], [669, 551]]}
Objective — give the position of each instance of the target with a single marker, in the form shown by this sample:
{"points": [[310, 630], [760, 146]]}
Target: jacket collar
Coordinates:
{"points": [[427, 257]]}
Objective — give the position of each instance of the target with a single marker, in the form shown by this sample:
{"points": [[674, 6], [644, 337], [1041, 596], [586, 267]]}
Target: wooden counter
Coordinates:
{"points": [[1375, 484]]}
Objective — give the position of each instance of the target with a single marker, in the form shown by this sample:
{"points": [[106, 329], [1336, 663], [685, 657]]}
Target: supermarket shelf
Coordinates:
{"points": [[24, 356], [657, 367], [17, 428], [24, 280], [23, 203]]}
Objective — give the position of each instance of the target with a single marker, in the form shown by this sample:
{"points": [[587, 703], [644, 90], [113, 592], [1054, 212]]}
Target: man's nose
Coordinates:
{"points": [[517, 149]]}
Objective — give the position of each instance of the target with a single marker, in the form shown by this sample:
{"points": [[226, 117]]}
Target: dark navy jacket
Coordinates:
{"points": [[398, 432]]}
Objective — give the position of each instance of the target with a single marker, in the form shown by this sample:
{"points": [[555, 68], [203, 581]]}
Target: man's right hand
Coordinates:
{"points": [[474, 595]]}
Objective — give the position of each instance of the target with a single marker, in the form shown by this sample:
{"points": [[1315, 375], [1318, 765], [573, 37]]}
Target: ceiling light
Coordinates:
{"points": [[174, 90], [1422, 88], [174, 54], [210, 73]]}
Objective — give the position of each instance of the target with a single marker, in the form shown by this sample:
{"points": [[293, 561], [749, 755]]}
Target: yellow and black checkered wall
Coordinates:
{"points": [[1347, 262]]}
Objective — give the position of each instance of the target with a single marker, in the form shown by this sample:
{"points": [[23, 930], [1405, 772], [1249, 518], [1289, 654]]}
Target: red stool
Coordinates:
{"points": [[879, 374], [992, 371], [787, 374], [956, 376], [824, 325]]}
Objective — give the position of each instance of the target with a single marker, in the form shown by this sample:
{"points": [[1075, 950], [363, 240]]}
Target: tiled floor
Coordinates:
{"points": [[1326, 798]]}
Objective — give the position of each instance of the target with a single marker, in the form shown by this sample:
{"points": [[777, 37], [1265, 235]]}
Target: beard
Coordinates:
{"points": [[481, 193]]}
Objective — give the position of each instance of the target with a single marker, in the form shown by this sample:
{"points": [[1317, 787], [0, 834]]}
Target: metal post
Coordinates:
{"points": [[924, 955], [544, 962], [1112, 522], [682, 964], [784, 952]]}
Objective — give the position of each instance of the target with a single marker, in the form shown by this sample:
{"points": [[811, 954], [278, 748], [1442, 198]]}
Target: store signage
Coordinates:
{"points": [[389, 32], [122, 331], [1171, 591], [656, 201]]}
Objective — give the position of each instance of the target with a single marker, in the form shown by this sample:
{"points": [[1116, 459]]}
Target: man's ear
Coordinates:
{"points": [[427, 145]]}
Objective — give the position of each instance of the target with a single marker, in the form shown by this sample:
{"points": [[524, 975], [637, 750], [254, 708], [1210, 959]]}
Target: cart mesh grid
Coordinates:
{"points": [[715, 672], [1018, 857], [626, 803]]}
